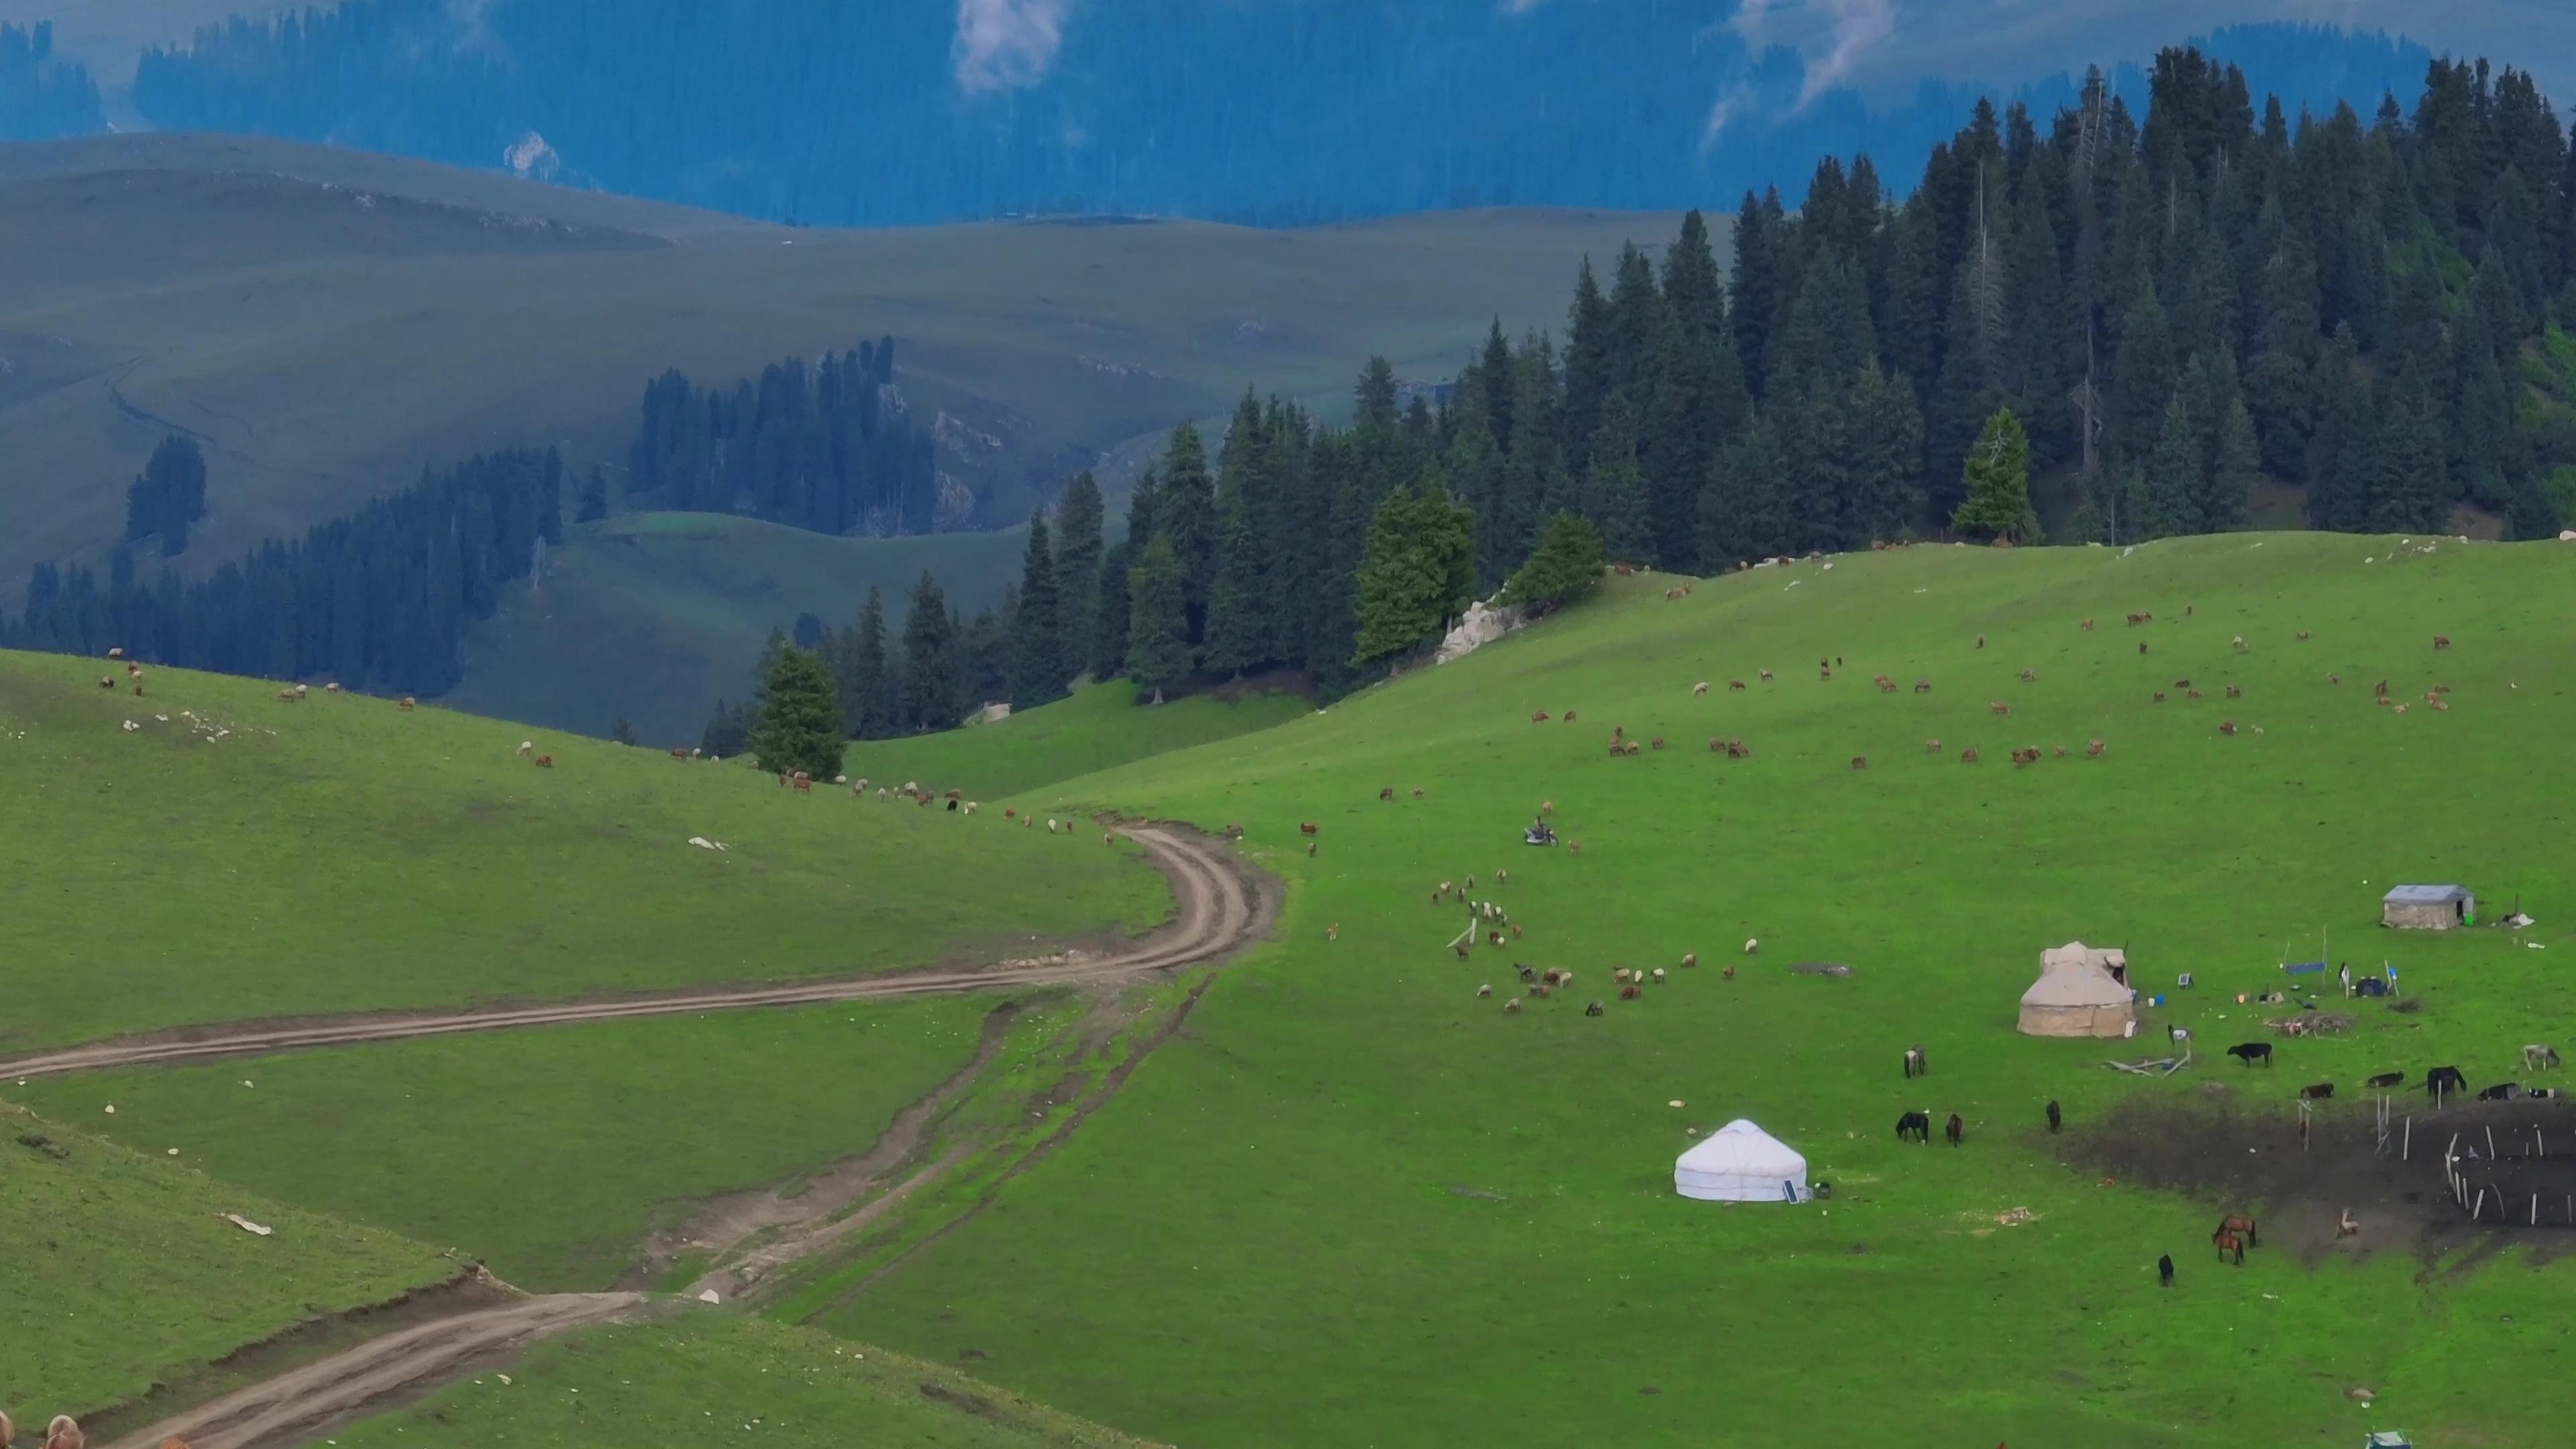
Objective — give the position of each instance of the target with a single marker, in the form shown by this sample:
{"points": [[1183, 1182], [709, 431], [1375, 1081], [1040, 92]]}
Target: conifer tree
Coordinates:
{"points": [[1564, 567], [867, 693], [1078, 525], [2233, 473], [1158, 646], [1615, 492], [2172, 478], [1037, 670], [800, 719], [931, 681], [1997, 483], [1186, 514]]}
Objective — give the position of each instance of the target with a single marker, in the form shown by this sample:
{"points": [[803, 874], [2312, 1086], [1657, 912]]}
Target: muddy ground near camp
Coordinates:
{"points": [[2244, 1157]]}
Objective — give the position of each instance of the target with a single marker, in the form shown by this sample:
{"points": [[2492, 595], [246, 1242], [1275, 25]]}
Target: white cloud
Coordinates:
{"points": [[1005, 44], [1859, 27]]}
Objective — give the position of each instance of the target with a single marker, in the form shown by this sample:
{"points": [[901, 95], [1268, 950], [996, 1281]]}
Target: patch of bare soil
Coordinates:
{"points": [[304, 1402], [722, 1225], [471, 1290], [2248, 1159]]}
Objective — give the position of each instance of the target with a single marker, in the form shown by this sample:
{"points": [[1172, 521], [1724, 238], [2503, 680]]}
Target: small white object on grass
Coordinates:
{"points": [[111, 1109], [708, 1296]]}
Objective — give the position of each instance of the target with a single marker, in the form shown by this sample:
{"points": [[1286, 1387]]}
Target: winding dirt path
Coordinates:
{"points": [[1222, 906], [340, 1388]]}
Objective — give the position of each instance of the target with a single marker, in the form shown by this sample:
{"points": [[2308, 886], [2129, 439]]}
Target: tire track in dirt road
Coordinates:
{"points": [[308, 1400], [1223, 905]]}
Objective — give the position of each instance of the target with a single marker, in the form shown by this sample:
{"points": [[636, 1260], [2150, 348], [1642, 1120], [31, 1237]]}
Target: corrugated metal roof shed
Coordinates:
{"points": [[2425, 895]]}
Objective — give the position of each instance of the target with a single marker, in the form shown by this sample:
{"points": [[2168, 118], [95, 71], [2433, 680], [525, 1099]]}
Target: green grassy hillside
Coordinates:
{"points": [[627, 1123], [123, 1274], [235, 857], [1386, 1212], [1100, 726], [721, 1375]]}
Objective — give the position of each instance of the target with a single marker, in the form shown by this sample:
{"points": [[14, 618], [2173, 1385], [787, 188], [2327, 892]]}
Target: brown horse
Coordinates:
{"points": [[2227, 1243], [2236, 1223]]}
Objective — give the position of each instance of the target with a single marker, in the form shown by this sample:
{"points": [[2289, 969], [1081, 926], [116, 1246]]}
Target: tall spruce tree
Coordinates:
{"points": [[1038, 670], [1186, 514], [1079, 517], [800, 717], [931, 682], [1158, 646], [1615, 492], [1997, 484]]}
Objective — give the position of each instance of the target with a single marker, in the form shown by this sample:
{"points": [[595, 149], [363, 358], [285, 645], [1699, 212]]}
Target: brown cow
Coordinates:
{"points": [[1885, 684], [1538, 716], [1631, 991], [547, 762], [1307, 827], [679, 753], [1954, 1129], [2093, 751], [1860, 762], [1998, 707], [2160, 696], [2227, 727], [2441, 641], [1735, 686], [1968, 756], [1659, 742], [2191, 694]]}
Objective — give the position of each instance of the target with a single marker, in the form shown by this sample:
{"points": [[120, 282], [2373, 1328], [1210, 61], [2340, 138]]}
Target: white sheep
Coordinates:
{"points": [[1751, 945], [527, 747]]}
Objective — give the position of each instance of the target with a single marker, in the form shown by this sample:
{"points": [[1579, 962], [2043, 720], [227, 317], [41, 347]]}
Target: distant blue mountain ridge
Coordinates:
{"points": [[1266, 113]]}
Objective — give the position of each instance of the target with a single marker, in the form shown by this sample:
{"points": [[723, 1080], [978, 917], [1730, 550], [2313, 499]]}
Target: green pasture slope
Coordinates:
{"points": [[341, 854], [122, 1275], [720, 1376], [1353, 1203], [625, 1123], [1101, 725]]}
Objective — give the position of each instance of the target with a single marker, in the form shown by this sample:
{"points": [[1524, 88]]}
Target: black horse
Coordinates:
{"points": [[2444, 1080], [2053, 1117], [2164, 1269], [2251, 1052], [1916, 1125]]}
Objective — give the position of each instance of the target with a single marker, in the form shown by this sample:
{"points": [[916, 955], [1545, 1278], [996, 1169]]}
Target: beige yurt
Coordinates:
{"points": [[2077, 994]]}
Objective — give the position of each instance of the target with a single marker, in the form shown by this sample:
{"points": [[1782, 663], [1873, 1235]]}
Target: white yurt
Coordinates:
{"points": [[1740, 1162]]}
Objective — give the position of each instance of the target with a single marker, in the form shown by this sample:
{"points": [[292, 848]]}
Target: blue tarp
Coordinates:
{"points": [[2303, 968]]}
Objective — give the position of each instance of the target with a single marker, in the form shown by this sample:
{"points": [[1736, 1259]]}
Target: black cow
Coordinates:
{"points": [[2444, 1080], [1954, 1128], [2388, 1079], [2164, 1269], [1917, 1125], [2053, 1117], [2251, 1052], [2316, 1091], [2501, 1092]]}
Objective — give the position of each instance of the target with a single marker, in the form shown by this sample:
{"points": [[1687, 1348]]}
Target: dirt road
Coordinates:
{"points": [[1221, 907], [337, 1389]]}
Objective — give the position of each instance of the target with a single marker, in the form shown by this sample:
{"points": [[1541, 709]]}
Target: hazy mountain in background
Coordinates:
{"points": [[1272, 111]]}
